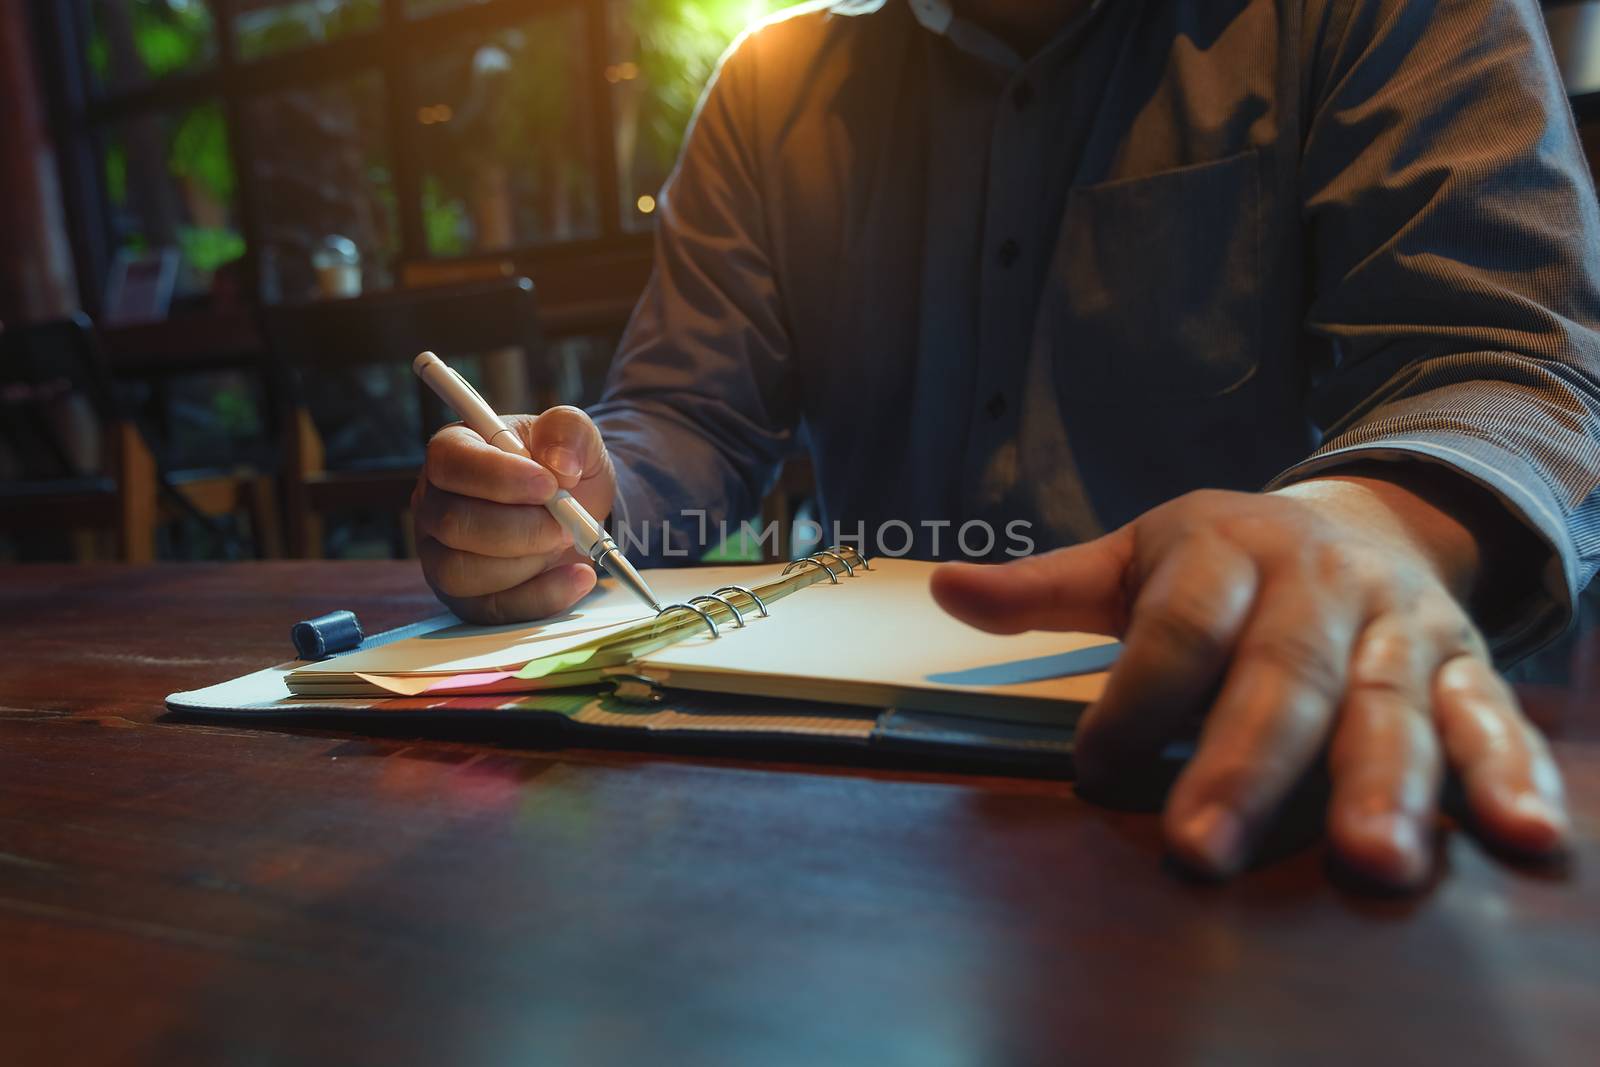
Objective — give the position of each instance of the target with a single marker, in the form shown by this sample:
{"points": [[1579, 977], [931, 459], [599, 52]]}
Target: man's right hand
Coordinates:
{"points": [[489, 548]]}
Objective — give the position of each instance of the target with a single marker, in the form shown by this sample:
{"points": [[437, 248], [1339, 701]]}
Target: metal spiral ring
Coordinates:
{"points": [[861, 557], [712, 623], [738, 616], [815, 562], [760, 604], [849, 571]]}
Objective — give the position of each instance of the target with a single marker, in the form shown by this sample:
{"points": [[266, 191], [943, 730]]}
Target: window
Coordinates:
{"points": [[508, 157], [169, 182], [263, 131], [267, 27], [130, 44], [660, 55], [331, 175]]}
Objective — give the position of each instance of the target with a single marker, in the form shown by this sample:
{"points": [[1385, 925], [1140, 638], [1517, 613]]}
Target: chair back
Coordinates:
{"points": [[334, 338], [47, 371]]}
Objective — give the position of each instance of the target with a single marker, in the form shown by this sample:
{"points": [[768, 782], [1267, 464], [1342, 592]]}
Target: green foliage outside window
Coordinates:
{"points": [[168, 36], [294, 25], [444, 220], [130, 43], [206, 248], [117, 174], [200, 151], [673, 45], [680, 42], [200, 168]]}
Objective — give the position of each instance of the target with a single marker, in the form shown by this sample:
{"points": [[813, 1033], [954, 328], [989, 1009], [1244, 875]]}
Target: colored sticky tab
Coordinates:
{"points": [[549, 665], [419, 685], [468, 681]]}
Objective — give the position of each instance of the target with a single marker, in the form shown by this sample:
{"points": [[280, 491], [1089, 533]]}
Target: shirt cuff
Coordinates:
{"points": [[1546, 611]]}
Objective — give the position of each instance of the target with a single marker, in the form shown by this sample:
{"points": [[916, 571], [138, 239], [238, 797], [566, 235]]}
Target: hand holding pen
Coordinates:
{"points": [[504, 528]]}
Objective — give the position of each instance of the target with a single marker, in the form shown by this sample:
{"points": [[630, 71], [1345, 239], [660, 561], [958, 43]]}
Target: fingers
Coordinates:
{"points": [[1385, 760], [567, 443], [491, 553], [452, 572], [1266, 726], [1077, 588], [1178, 641], [1512, 785], [486, 528], [461, 462], [1314, 625], [549, 593]]}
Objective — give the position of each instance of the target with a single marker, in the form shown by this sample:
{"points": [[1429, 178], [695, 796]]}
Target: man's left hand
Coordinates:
{"points": [[1328, 615]]}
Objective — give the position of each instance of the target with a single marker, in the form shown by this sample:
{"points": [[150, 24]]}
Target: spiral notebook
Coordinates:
{"points": [[832, 628]]}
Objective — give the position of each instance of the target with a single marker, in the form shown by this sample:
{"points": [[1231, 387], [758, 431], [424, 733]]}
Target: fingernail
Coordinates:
{"points": [[1216, 836], [1536, 809], [1401, 834], [583, 580], [1461, 674], [562, 461]]}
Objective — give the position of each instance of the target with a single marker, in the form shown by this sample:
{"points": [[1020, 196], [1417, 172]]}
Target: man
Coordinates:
{"points": [[1281, 313]]}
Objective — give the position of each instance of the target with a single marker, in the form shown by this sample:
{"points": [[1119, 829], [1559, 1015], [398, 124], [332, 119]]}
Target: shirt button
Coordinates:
{"points": [[1009, 251], [1022, 95], [996, 406]]}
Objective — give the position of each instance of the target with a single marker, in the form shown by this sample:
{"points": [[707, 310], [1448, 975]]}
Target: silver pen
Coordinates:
{"points": [[590, 537]]}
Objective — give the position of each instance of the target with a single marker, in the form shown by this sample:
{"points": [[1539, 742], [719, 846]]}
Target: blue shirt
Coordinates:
{"points": [[1187, 244]]}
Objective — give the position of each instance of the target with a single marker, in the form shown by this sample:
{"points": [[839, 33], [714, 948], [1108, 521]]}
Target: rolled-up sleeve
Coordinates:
{"points": [[698, 412], [1455, 241]]}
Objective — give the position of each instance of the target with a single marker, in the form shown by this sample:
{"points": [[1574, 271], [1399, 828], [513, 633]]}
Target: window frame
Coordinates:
{"points": [[79, 115]]}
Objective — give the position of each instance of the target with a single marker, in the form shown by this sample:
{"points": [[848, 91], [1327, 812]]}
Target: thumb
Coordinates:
{"points": [[566, 442], [1077, 588]]}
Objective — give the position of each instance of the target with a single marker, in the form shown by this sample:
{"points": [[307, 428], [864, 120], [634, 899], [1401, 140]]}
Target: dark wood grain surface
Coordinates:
{"points": [[175, 892]]}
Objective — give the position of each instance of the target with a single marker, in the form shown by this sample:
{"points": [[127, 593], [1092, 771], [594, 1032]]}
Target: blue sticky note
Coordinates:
{"points": [[1036, 669]]}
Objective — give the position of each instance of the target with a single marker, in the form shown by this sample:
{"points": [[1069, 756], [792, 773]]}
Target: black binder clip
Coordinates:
{"points": [[326, 635], [635, 689]]}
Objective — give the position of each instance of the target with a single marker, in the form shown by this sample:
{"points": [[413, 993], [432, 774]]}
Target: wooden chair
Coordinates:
{"points": [[504, 370], [321, 341], [434, 273], [591, 317], [50, 370]]}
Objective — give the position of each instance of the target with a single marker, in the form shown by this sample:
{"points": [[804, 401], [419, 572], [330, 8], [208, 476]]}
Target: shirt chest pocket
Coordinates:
{"points": [[1155, 291]]}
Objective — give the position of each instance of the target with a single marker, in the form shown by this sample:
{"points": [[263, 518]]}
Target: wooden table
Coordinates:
{"points": [[174, 892]]}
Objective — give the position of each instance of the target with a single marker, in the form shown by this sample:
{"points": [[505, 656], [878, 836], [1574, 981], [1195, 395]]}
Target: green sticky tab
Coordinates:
{"points": [[543, 668]]}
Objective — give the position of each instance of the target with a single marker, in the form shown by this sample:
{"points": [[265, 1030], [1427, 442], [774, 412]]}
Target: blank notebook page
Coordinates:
{"points": [[880, 637]]}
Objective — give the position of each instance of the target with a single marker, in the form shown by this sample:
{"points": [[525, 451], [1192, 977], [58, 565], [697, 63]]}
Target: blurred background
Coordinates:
{"points": [[224, 224], [180, 167]]}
